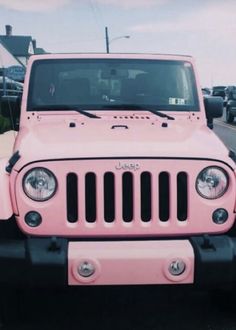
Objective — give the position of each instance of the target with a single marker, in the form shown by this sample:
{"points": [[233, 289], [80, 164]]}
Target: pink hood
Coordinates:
{"points": [[94, 138]]}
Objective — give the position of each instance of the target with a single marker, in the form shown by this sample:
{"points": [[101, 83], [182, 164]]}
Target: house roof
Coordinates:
{"points": [[6, 57], [17, 45], [39, 51]]}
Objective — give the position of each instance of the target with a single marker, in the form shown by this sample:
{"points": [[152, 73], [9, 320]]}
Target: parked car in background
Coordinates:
{"points": [[219, 91], [230, 97], [13, 88]]}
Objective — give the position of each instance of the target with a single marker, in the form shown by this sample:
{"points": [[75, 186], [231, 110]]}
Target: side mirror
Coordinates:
{"points": [[10, 107], [213, 108]]}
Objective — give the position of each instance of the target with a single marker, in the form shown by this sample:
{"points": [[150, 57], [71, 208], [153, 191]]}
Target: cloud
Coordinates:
{"points": [[217, 19], [132, 4], [48, 5], [33, 6]]}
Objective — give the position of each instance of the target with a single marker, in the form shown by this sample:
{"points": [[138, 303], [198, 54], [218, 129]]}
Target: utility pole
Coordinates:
{"points": [[107, 39]]}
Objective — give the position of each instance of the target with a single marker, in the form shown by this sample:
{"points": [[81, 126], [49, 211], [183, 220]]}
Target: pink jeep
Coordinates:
{"points": [[116, 177]]}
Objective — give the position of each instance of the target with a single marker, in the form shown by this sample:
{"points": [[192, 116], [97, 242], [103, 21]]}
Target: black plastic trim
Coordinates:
{"points": [[12, 161], [215, 260], [44, 261], [232, 155], [34, 261], [10, 230]]}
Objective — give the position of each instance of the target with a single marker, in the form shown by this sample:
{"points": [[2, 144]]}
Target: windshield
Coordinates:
{"points": [[103, 84]]}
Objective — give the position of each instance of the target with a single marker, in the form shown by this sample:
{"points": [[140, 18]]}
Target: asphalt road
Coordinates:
{"points": [[227, 132], [138, 308], [121, 308]]}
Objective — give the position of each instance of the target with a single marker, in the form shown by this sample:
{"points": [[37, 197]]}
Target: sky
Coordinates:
{"points": [[205, 29]]}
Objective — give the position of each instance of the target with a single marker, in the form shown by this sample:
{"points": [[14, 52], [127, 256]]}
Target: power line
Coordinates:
{"points": [[100, 14], [95, 13], [73, 41]]}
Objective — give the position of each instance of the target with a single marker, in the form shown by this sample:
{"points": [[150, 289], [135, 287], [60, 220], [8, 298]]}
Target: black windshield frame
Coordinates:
{"points": [[104, 106]]}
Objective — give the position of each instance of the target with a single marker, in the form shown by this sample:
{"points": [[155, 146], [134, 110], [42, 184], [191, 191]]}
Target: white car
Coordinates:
{"points": [[13, 87]]}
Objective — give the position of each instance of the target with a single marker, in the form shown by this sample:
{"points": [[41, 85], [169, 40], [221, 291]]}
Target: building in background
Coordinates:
{"points": [[21, 47], [6, 58]]}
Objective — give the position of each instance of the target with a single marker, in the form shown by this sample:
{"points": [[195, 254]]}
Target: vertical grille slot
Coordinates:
{"points": [[90, 197], [164, 196], [146, 205], [182, 196], [127, 196], [109, 197], [72, 197]]}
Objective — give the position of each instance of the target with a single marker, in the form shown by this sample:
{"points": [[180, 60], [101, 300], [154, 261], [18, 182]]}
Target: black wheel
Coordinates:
{"points": [[229, 116]]}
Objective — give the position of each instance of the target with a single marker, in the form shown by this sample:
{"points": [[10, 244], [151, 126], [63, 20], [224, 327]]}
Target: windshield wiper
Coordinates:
{"points": [[137, 107], [63, 107], [160, 114], [88, 114]]}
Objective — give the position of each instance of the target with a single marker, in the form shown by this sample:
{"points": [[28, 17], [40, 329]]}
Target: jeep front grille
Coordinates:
{"points": [[102, 198], [151, 201]]}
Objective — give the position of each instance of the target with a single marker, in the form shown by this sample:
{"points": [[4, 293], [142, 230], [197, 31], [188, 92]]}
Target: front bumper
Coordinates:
{"points": [[55, 261]]}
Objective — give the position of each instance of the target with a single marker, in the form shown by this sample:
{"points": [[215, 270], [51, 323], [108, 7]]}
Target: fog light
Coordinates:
{"points": [[177, 267], [220, 216], [86, 269], [33, 219]]}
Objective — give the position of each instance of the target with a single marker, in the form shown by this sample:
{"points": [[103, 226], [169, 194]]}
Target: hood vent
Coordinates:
{"points": [[132, 117]]}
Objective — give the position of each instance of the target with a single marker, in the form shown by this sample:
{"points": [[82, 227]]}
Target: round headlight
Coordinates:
{"points": [[212, 182], [39, 184]]}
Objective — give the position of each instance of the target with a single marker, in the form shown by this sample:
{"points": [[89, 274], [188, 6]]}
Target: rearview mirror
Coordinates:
{"points": [[113, 73]]}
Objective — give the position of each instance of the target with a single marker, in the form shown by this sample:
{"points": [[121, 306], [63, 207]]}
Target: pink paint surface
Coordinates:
{"points": [[54, 212], [130, 262]]}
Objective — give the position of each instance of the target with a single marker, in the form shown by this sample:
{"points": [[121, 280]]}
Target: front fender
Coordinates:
{"points": [[6, 210]]}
